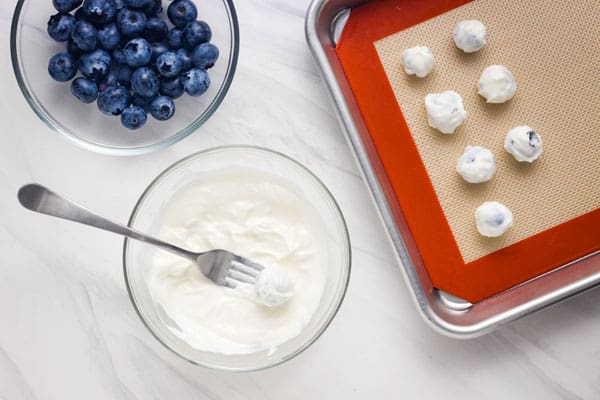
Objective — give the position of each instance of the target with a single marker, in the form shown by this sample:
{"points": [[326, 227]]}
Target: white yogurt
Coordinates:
{"points": [[476, 165], [418, 61], [523, 143], [469, 35], [445, 111], [493, 219], [497, 84], [274, 287], [258, 217]]}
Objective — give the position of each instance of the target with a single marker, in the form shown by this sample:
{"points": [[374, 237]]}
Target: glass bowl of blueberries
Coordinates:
{"points": [[124, 77]]}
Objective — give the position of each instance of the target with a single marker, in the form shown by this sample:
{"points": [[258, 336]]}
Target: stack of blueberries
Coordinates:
{"points": [[132, 63]]}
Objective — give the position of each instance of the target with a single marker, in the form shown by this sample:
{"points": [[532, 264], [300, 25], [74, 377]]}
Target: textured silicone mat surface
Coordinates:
{"points": [[554, 53]]}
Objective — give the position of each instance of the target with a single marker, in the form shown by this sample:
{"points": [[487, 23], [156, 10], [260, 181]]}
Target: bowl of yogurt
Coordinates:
{"points": [[261, 205]]}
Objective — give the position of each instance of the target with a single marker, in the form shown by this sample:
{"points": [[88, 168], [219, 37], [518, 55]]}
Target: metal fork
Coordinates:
{"points": [[220, 266]]}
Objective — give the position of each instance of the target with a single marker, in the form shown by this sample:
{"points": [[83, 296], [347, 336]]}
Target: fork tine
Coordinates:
{"points": [[229, 282], [238, 266], [250, 264], [240, 276]]}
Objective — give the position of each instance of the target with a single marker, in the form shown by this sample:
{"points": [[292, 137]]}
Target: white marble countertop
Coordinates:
{"points": [[68, 330]]}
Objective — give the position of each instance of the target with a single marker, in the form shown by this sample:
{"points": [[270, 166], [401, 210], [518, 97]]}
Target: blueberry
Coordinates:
{"points": [[84, 35], [94, 65], [111, 79], [137, 4], [79, 15], [156, 29], [118, 55], [119, 4], [145, 82], [498, 219], [196, 32], [168, 65], [131, 22], [186, 60], [85, 90], [133, 117], [66, 5], [124, 76], [114, 100], [99, 12], [205, 55], [60, 26], [62, 67], [195, 81], [157, 50], [172, 88], [73, 50], [175, 38], [154, 8], [109, 36], [534, 139], [137, 52], [141, 101], [182, 12], [162, 108]]}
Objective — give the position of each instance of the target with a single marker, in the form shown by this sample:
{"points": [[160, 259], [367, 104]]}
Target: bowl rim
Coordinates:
{"points": [[347, 250], [134, 150]]}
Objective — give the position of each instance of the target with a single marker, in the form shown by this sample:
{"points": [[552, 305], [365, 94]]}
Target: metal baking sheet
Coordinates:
{"points": [[447, 314]]}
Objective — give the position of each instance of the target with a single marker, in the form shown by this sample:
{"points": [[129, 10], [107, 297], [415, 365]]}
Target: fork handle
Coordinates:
{"points": [[37, 198]]}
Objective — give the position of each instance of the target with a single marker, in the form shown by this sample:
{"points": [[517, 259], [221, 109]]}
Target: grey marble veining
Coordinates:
{"points": [[67, 328]]}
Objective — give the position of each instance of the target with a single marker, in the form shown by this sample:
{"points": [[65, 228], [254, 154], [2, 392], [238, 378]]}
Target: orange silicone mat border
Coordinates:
{"points": [[407, 176]]}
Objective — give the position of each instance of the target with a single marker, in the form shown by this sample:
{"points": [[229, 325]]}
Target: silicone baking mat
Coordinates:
{"points": [[554, 52]]}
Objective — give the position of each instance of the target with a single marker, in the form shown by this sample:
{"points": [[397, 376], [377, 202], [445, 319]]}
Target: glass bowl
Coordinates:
{"points": [[84, 124], [146, 217]]}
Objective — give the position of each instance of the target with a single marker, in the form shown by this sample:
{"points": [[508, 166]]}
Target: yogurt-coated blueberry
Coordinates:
{"points": [[476, 165], [523, 143], [493, 219], [470, 35]]}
